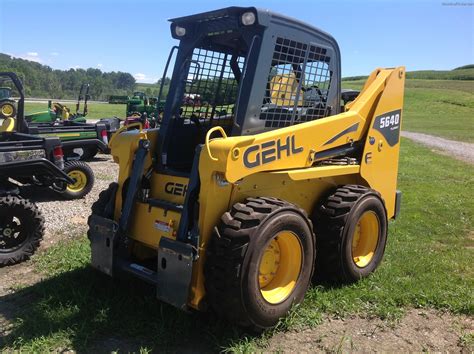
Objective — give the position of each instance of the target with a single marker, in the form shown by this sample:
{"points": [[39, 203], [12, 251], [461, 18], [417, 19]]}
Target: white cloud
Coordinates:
{"points": [[31, 56], [75, 67], [54, 54], [99, 65], [144, 78]]}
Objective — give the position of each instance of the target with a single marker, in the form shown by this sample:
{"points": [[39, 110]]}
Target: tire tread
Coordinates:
{"points": [[33, 241]]}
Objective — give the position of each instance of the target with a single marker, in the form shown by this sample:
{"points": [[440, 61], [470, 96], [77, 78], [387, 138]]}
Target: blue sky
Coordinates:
{"points": [[133, 35]]}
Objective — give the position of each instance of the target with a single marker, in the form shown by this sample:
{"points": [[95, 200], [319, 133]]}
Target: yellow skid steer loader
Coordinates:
{"points": [[233, 205]]}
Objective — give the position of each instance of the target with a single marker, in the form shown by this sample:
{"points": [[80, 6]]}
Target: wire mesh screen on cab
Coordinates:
{"points": [[211, 87], [298, 84]]}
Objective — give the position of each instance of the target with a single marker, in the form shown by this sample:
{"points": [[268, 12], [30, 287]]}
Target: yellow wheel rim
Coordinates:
{"points": [[365, 239], [7, 110], [280, 267], [80, 181]]}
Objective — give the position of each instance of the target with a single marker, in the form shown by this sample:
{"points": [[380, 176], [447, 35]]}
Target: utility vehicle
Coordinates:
{"points": [[20, 148], [80, 140], [58, 112]]}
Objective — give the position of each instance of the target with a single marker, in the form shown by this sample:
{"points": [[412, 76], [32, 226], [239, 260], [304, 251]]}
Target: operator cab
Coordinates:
{"points": [[253, 71]]}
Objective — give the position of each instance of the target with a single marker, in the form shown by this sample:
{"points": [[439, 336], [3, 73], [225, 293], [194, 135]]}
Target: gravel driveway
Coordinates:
{"points": [[456, 149]]}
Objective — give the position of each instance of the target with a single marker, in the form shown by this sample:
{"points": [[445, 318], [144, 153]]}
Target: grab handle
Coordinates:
{"points": [[208, 136]]}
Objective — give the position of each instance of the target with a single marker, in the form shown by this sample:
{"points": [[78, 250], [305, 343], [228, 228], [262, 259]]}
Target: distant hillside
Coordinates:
{"points": [[470, 66], [465, 72], [43, 81]]}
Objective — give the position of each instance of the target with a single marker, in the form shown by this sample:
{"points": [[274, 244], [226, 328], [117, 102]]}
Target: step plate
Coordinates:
{"points": [[175, 268], [103, 234]]}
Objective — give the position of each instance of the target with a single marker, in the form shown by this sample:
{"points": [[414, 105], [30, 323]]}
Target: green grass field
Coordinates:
{"points": [[443, 108], [428, 264]]}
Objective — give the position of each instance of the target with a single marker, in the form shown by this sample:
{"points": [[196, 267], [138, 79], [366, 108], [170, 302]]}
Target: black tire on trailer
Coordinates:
{"points": [[351, 225], [21, 230], [84, 179], [260, 262], [88, 153]]}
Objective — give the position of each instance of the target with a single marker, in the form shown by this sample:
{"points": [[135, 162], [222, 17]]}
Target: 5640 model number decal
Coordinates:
{"points": [[389, 125]]}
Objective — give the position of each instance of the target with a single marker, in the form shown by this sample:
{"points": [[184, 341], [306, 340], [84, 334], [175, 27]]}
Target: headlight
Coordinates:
{"points": [[180, 31], [248, 18]]}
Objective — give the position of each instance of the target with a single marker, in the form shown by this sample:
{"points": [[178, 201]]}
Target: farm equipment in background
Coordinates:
{"points": [[234, 212], [7, 105], [118, 99], [39, 162], [141, 108], [140, 103], [79, 140], [57, 112]]}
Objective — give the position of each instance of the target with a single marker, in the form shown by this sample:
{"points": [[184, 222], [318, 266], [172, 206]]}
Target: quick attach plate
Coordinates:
{"points": [[103, 237], [175, 268]]}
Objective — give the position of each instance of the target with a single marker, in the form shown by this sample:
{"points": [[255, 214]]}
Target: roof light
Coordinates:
{"points": [[248, 18], [180, 31]]}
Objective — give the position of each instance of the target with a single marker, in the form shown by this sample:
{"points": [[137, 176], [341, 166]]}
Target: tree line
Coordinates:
{"points": [[42, 81]]}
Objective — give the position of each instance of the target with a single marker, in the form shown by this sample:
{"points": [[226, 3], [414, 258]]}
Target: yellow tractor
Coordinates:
{"points": [[233, 209]]}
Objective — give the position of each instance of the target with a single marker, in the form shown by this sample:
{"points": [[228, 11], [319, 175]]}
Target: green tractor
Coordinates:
{"points": [[141, 108], [7, 105], [140, 103], [58, 112]]}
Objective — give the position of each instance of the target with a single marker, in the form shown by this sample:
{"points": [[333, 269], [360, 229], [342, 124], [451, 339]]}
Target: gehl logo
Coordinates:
{"points": [[176, 188], [269, 151]]}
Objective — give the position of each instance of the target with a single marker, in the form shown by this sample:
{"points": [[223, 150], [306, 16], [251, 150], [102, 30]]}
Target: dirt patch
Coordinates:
{"points": [[419, 330], [456, 149]]}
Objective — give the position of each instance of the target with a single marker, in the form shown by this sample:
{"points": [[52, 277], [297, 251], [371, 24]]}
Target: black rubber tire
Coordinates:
{"points": [[10, 103], [334, 223], [30, 217], [70, 166], [88, 153], [231, 269], [104, 205]]}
